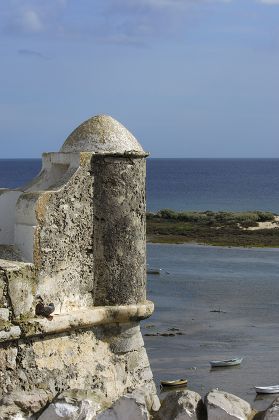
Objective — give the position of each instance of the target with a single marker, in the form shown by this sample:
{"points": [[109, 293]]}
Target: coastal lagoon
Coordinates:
{"points": [[225, 302]]}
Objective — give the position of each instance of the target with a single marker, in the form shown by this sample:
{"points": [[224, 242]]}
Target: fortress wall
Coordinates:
{"points": [[73, 279], [119, 230]]}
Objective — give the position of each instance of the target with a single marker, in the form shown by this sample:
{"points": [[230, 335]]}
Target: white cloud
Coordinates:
{"points": [[136, 22], [269, 1], [121, 39], [117, 21], [30, 21], [31, 16], [62, 3], [162, 4], [175, 3]]}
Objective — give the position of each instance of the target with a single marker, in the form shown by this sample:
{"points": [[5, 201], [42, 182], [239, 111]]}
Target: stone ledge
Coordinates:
{"points": [[81, 319]]}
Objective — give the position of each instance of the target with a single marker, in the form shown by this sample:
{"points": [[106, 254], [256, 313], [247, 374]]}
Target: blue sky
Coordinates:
{"points": [[189, 78]]}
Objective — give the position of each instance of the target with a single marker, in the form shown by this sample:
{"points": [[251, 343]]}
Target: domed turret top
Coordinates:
{"points": [[101, 133]]}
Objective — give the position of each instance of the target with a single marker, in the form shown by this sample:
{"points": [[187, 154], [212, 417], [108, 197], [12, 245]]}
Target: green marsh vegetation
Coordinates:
{"points": [[213, 228]]}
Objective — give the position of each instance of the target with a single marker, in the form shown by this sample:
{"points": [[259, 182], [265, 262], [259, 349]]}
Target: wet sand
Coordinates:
{"points": [[225, 301]]}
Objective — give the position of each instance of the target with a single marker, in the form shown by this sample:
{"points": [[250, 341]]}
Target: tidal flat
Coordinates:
{"points": [[224, 302]]}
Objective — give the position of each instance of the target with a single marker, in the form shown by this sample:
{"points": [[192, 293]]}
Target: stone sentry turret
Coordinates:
{"points": [[75, 238]]}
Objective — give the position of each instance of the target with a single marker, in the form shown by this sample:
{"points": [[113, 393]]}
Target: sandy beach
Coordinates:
{"points": [[224, 303]]}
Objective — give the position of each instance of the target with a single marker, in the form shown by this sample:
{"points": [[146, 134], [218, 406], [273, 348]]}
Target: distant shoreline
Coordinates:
{"points": [[238, 229]]}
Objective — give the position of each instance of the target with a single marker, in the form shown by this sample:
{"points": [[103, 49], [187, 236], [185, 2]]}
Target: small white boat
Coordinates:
{"points": [[225, 363], [274, 389]]}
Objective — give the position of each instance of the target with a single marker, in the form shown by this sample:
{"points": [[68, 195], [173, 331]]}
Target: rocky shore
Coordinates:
{"points": [[182, 404]]}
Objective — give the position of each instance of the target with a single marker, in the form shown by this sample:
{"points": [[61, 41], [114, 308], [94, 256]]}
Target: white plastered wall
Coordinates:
{"points": [[25, 224], [17, 208], [8, 199], [55, 172]]}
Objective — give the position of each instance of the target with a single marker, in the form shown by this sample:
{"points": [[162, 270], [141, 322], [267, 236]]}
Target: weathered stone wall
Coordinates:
{"points": [[17, 286], [3, 293], [119, 230], [64, 241], [109, 361]]}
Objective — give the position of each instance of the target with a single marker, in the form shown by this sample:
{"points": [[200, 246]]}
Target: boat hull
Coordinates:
{"points": [[153, 271], [174, 384], [226, 363], [267, 389]]}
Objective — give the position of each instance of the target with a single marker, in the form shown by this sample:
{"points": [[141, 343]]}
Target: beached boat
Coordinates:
{"points": [[274, 389], [174, 383], [225, 363]]}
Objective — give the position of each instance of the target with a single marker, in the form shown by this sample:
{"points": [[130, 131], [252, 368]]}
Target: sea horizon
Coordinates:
{"points": [[187, 184]]}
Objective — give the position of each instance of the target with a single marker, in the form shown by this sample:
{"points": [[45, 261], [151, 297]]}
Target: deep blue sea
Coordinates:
{"points": [[189, 184], [213, 184]]}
